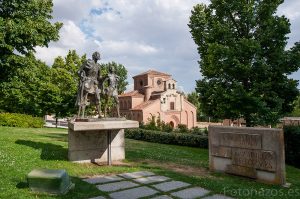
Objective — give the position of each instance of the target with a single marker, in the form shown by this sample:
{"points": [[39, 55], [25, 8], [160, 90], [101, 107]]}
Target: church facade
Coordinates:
{"points": [[155, 94]]}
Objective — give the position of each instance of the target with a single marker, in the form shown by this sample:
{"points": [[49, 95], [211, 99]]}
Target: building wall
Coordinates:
{"points": [[183, 112], [137, 101]]}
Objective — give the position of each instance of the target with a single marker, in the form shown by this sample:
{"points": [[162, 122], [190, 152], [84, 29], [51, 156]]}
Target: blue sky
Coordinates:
{"points": [[140, 34]]}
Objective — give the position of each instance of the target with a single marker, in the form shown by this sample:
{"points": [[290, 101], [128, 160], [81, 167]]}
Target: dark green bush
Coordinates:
{"points": [[183, 139], [182, 128], [20, 120], [292, 145], [199, 131]]}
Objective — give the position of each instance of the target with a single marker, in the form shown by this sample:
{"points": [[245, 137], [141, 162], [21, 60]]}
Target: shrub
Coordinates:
{"points": [[198, 131], [182, 128], [292, 145], [183, 139], [156, 125], [20, 120]]}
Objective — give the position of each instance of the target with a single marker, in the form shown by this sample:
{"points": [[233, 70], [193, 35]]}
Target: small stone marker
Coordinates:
{"points": [[116, 186], [190, 193], [168, 186], [151, 179], [256, 153], [102, 179], [133, 193], [49, 181], [137, 174]]}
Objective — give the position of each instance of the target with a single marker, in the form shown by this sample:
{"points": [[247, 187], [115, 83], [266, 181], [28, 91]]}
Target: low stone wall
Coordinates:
{"points": [[206, 124], [256, 153]]}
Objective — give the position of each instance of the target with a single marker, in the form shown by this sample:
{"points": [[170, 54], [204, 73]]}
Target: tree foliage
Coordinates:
{"points": [[24, 25], [64, 83], [244, 60], [193, 97], [296, 111], [22, 92]]}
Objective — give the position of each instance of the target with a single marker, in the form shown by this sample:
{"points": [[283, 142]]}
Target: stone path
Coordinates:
{"points": [[144, 184]]}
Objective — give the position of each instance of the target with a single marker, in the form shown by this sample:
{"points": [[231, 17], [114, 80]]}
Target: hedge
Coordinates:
{"points": [[292, 145], [183, 139], [20, 120]]}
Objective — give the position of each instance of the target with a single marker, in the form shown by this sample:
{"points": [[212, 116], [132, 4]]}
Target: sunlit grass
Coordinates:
{"points": [[22, 150]]}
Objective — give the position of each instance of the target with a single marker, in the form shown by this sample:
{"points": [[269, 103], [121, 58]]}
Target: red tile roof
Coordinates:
{"points": [[132, 94], [153, 72], [145, 104]]}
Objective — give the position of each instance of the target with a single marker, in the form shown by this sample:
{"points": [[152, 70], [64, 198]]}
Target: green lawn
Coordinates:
{"points": [[22, 150]]}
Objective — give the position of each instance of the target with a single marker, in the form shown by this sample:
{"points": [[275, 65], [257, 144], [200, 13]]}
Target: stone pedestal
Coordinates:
{"points": [[98, 141]]}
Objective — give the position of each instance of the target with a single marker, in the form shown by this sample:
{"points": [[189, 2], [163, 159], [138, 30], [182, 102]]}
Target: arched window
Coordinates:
{"points": [[128, 104], [169, 86], [172, 124], [173, 86]]}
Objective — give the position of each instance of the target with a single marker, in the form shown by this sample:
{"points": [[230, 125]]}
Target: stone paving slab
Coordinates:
{"points": [[151, 179], [217, 196], [172, 185], [115, 186], [133, 193], [162, 197], [138, 174], [103, 179], [190, 193], [99, 197]]}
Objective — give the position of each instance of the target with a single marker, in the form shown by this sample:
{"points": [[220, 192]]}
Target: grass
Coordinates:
{"points": [[22, 150]]}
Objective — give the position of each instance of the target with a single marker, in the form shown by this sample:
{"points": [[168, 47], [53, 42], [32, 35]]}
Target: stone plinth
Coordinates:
{"points": [[256, 153], [98, 141]]}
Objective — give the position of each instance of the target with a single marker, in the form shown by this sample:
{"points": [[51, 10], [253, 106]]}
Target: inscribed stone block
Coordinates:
{"points": [[251, 152]]}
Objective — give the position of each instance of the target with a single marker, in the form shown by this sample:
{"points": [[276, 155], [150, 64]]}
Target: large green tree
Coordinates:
{"points": [[24, 25], [22, 92], [244, 60], [64, 84]]}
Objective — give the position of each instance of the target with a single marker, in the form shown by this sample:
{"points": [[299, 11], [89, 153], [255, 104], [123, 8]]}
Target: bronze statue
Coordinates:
{"points": [[88, 89], [111, 90], [92, 86]]}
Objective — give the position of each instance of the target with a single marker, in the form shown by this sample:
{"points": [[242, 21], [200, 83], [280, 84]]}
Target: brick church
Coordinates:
{"points": [[155, 94]]}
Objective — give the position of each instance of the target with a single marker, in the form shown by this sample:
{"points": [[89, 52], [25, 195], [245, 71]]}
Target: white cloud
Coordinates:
{"points": [[138, 34]]}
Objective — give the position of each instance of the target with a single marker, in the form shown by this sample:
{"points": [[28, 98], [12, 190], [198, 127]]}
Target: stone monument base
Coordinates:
{"points": [[98, 141]]}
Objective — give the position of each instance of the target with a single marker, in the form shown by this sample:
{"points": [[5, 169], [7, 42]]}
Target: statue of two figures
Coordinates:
{"points": [[92, 87]]}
